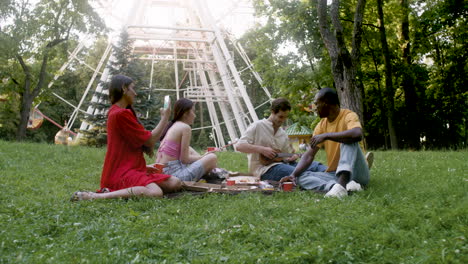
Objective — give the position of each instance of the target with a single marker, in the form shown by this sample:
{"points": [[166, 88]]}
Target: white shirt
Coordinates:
{"points": [[261, 133]]}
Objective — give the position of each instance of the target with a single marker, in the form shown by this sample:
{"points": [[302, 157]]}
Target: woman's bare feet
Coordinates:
{"points": [[81, 196]]}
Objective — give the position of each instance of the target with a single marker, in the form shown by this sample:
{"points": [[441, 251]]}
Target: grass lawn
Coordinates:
{"points": [[414, 211]]}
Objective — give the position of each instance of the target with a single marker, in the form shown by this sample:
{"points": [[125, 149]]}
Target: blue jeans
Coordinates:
{"points": [[351, 159], [279, 171]]}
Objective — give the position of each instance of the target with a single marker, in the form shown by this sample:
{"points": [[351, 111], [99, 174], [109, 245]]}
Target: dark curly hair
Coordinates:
{"points": [[280, 104]]}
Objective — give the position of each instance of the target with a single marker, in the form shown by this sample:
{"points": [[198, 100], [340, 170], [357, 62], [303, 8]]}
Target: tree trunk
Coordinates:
{"points": [[344, 65], [411, 98], [378, 91], [28, 95], [389, 90], [309, 58], [26, 102]]}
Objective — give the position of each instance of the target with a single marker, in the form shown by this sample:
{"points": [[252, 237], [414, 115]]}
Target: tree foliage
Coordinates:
{"points": [[39, 33], [426, 51], [416, 85]]}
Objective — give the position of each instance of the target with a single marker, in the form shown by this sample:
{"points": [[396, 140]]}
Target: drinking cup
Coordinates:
{"points": [[159, 167], [230, 182], [287, 186]]}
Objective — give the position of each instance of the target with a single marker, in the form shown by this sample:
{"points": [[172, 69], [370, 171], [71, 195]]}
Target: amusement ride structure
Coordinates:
{"points": [[194, 42]]}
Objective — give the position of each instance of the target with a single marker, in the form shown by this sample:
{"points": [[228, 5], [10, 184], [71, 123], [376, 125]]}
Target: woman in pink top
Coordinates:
{"points": [[181, 160]]}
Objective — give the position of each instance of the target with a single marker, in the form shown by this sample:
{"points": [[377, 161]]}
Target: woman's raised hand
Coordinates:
{"points": [[165, 113]]}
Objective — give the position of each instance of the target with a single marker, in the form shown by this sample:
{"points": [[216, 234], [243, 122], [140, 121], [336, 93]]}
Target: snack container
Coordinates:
{"points": [[230, 182], [266, 186]]}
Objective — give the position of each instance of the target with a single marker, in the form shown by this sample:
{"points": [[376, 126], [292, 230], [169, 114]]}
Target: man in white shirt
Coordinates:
{"points": [[264, 139]]}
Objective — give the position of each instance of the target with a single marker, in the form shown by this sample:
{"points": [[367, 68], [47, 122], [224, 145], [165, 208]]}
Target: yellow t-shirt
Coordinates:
{"points": [[345, 120]]}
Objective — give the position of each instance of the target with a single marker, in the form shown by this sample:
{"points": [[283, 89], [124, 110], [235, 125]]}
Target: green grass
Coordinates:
{"points": [[415, 211]]}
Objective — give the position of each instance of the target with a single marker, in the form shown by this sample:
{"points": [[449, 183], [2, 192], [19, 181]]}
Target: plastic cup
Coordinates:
{"points": [[230, 182], [208, 149], [159, 167], [287, 186]]}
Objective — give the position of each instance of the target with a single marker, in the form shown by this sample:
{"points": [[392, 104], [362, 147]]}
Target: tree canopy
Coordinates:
{"points": [[413, 85], [38, 35], [402, 64]]}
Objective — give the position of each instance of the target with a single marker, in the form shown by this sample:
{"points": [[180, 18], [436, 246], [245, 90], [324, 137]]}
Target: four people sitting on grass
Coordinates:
{"points": [[270, 155]]}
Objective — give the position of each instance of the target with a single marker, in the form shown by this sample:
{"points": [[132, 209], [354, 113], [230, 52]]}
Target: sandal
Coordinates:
{"points": [[103, 190], [82, 196]]}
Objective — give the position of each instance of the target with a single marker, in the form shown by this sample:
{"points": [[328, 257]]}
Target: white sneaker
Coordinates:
{"points": [[370, 159], [337, 191], [353, 186]]}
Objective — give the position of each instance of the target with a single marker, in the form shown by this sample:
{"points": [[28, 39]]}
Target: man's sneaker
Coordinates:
{"points": [[337, 191], [353, 186], [370, 159]]}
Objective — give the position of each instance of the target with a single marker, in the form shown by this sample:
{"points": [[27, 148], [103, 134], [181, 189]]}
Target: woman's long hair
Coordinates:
{"points": [[181, 106], [116, 93]]}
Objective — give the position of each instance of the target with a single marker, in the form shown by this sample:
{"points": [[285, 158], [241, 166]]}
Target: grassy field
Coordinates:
{"points": [[414, 211]]}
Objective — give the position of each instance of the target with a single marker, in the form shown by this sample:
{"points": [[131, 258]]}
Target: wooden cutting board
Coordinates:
{"points": [[211, 187]]}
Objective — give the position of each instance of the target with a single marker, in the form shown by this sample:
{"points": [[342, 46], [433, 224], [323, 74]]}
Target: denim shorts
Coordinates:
{"points": [[185, 172]]}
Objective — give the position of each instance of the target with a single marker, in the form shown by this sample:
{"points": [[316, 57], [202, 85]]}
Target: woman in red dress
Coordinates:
{"points": [[124, 172]]}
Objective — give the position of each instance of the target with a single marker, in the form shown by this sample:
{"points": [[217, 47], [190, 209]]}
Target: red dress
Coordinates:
{"points": [[124, 165]]}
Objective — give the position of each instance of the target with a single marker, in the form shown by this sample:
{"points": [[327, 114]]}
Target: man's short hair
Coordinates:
{"points": [[280, 104], [329, 96]]}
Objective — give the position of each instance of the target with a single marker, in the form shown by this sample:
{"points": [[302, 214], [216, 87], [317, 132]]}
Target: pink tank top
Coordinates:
{"points": [[170, 148]]}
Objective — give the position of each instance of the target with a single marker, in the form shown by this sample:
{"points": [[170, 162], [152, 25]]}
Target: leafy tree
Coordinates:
{"points": [[39, 33], [411, 69], [440, 33], [389, 89], [298, 74], [344, 64]]}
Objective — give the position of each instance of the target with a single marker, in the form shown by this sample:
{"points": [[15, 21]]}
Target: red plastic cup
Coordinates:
{"points": [[230, 182], [287, 186], [208, 149], [159, 167]]}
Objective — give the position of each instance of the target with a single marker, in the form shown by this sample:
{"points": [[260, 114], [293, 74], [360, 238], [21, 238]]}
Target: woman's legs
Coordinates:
{"points": [[209, 162], [193, 152], [193, 171], [150, 190], [173, 184]]}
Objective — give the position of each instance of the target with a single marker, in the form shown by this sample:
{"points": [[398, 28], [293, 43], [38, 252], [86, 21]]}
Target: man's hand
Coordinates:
{"points": [[317, 139], [289, 178], [268, 152], [292, 158]]}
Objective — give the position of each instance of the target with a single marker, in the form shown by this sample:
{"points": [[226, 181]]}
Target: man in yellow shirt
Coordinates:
{"points": [[338, 132]]}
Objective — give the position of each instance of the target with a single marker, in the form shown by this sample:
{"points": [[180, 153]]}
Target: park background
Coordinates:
{"points": [[406, 67], [410, 70]]}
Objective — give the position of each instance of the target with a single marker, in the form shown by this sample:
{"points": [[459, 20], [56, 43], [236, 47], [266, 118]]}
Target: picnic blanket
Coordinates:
{"points": [[242, 184]]}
